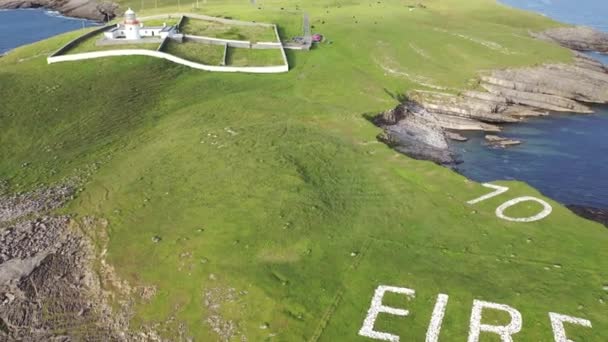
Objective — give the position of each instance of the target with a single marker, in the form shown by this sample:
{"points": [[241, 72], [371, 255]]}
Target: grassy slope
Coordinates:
{"points": [[253, 57], [286, 179], [197, 52], [236, 32], [90, 45]]}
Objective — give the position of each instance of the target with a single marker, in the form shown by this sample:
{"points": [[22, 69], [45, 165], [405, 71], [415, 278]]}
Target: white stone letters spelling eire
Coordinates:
{"points": [[505, 332], [557, 324], [432, 333], [376, 307], [476, 327]]}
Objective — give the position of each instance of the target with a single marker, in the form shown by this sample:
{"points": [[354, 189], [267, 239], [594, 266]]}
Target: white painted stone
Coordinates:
{"points": [[499, 190], [376, 308], [505, 332], [432, 333], [547, 209], [557, 324]]}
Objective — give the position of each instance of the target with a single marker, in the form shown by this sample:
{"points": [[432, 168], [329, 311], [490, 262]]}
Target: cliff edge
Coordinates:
{"points": [[87, 9]]}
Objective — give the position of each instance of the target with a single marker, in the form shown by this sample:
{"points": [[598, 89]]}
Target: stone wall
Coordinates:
{"points": [[59, 57], [79, 39], [166, 56], [206, 17]]}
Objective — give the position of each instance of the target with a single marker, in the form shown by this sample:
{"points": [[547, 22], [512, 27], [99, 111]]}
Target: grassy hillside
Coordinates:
{"points": [[276, 208]]}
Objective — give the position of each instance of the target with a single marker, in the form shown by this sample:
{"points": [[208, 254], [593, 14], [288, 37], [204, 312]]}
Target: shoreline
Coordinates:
{"points": [[427, 124], [78, 9]]}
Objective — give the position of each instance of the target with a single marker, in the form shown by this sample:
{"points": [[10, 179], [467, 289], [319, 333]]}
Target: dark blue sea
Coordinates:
{"points": [[565, 156], [20, 27]]}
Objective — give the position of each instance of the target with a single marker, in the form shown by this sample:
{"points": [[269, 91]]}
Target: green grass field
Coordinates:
{"points": [[197, 52], [214, 29], [274, 187], [253, 57], [160, 22]]}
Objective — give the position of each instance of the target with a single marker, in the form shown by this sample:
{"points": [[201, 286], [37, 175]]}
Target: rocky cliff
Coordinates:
{"points": [[578, 38], [52, 275], [504, 96], [89, 9]]}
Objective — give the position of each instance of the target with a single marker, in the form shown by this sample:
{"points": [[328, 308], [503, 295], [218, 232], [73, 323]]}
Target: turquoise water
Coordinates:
{"points": [[20, 27], [564, 156]]}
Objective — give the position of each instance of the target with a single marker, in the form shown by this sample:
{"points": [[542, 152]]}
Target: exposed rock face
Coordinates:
{"points": [[44, 282], [414, 131], [89, 9], [512, 95], [48, 288], [455, 136], [41, 200], [595, 214], [579, 38], [496, 141]]}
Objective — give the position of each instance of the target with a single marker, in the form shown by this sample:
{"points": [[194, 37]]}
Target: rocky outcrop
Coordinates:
{"points": [[501, 142], [412, 130], [455, 136], [418, 126], [423, 125], [40, 200], [88, 9], [595, 214], [578, 38], [49, 290]]}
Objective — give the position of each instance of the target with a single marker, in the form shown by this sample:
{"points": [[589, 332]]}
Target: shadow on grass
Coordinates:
{"points": [[397, 96], [291, 58]]}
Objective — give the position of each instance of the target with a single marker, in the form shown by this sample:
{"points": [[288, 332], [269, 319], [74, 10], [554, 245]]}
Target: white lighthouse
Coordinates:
{"points": [[134, 31], [132, 25]]}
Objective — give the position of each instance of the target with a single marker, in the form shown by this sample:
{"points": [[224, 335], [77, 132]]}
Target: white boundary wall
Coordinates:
{"points": [[57, 57], [206, 17], [172, 58]]}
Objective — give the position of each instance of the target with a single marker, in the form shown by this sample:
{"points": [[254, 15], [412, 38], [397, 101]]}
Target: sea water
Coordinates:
{"points": [[20, 27], [565, 156]]}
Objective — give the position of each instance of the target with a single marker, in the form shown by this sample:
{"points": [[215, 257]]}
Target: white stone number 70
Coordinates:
{"points": [[500, 211]]}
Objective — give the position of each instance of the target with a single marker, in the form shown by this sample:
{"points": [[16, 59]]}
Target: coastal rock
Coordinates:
{"points": [[412, 130], [582, 82], [419, 126], [88, 9], [455, 136], [485, 110], [595, 214], [496, 141], [534, 99], [579, 38]]}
